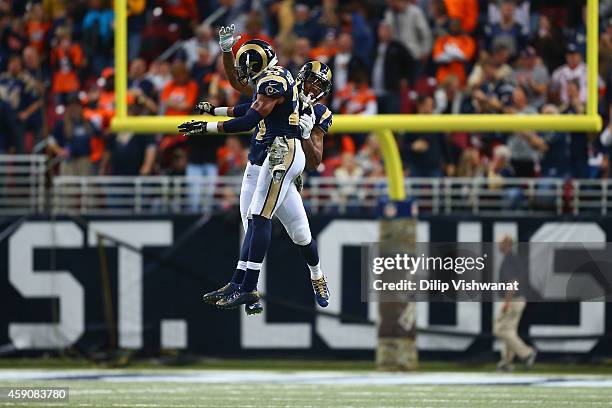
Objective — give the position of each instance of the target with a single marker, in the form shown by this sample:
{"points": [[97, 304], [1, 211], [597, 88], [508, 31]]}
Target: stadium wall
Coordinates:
{"points": [[53, 271]]}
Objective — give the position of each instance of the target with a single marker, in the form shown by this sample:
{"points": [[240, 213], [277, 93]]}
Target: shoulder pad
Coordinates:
{"points": [[273, 82], [323, 117]]}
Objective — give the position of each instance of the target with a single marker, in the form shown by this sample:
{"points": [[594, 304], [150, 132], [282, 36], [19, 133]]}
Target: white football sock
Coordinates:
{"points": [[315, 271]]}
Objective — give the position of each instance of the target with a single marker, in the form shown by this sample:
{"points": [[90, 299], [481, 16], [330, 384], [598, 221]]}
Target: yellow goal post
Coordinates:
{"points": [[383, 125]]}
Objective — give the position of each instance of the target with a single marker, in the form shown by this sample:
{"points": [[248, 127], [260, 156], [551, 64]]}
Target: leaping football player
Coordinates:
{"points": [[290, 210]]}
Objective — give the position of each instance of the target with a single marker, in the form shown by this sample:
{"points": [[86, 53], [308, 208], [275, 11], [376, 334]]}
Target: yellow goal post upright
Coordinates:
{"points": [[383, 125]]}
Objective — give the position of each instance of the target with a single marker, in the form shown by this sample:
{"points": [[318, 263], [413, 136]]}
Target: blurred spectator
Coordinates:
{"points": [[448, 97], [128, 154], [524, 146], [351, 21], [20, 93], [178, 164], [35, 121], [573, 70], [329, 18], [13, 38], [326, 49], [137, 78], [98, 35], [253, 30], [180, 94], [438, 18], [507, 31], [66, 59], [202, 171], [426, 153], [159, 74], [555, 149], [301, 55], [36, 27], [106, 97], [605, 50], [410, 28], [579, 146], [71, 140], [343, 64], [469, 165], [356, 96], [136, 23], [464, 10], [533, 76], [498, 59], [7, 136], [490, 94], [232, 157], [204, 66], [499, 167], [54, 9], [369, 157], [218, 88], [548, 43], [452, 52], [203, 39], [521, 13], [305, 26], [181, 13], [348, 174], [392, 65], [577, 34]]}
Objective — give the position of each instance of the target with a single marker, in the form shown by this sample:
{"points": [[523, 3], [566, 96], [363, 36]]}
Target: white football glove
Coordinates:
{"points": [[205, 107], [227, 38], [307, 122]]}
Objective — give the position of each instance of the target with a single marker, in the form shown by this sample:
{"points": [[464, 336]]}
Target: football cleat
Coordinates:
{"points": [[319, 286], [253, 308], [237, 298], [216, 295]]}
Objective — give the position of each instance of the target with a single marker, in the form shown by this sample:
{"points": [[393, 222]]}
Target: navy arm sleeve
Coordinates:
{"points": [[243, 123], [242, 109]]}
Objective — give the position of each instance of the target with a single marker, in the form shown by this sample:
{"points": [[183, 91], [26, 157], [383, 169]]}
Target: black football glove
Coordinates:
{"points": [[193, 128], [206, 107]]}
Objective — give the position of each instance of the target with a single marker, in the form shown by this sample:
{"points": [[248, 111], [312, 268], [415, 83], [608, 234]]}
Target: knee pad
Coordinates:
{"points": [[301, 235]]}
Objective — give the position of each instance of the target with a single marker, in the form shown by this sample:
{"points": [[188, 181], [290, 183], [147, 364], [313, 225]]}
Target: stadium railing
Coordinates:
{"points": [[329, 195], [25, 189], [22, 183]]}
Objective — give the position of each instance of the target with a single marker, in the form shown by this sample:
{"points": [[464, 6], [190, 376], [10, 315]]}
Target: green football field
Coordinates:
{"points": [[163, 394], [161, 387]]}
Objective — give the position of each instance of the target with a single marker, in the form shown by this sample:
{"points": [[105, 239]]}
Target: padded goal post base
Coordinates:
{"points": [[396, 349]]}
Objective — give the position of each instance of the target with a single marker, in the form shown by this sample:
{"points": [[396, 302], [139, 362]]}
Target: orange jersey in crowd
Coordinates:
{"points": [[174, 93], [464, 10], [65, 79], [466, 44], [37, 32], [186, 9], [323, 54], [355, 98]]}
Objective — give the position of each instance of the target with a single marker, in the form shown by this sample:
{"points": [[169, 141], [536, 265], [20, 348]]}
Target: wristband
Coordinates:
{"points": [[211, 127], [220, 111]]}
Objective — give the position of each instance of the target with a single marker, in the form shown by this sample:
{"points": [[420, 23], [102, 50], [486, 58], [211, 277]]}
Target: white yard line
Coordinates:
{"points": [[278, 378]]}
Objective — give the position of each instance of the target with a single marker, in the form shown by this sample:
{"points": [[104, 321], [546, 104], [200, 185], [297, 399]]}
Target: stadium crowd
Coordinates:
{"points": [[395, 56]]}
